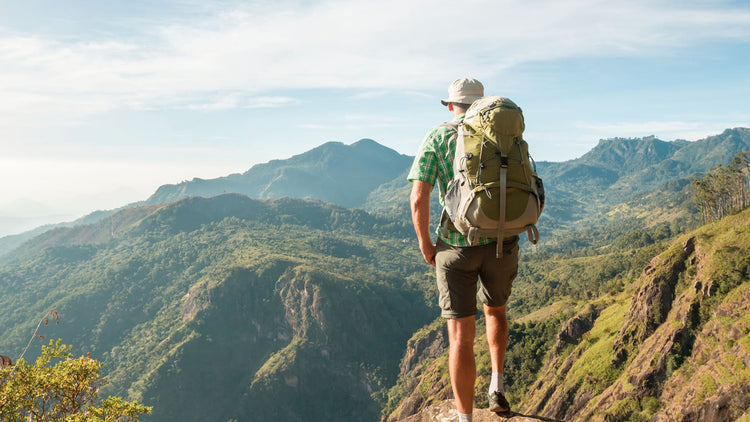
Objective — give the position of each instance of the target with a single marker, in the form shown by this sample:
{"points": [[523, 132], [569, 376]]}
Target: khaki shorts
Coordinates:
{"points": [[459, 269]]}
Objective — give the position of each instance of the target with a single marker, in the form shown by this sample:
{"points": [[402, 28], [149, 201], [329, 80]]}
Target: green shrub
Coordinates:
{"points": [[59, 387]]}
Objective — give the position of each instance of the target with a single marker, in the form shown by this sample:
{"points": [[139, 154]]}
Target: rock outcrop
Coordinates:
{"points": [[420, 376], [573, 329], [717, 385], [445, 411], [653, 299]]}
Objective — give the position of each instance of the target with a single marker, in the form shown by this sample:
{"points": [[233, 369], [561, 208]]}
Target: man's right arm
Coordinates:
{"points": [[420, 216]]}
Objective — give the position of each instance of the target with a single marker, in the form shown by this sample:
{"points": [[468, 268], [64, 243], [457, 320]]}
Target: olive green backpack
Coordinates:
{"points": [[495, 191]]}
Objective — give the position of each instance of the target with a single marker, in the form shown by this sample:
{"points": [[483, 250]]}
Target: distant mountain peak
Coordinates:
{"points": [[332, 172], [624, 153], [367, 142]]}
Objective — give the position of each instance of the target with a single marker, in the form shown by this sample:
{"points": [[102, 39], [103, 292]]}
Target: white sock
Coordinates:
{"points": [[464, 417], [496, 382]]}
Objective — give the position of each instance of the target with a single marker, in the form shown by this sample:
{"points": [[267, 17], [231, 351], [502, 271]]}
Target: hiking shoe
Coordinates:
{"points": [[498, 404]]}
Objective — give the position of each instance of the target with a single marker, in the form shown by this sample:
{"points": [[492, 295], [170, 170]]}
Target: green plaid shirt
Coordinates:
{"points": [[434, 165]]}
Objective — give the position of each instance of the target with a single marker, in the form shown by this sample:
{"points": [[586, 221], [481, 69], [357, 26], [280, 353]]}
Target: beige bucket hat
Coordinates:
{"points": [[464, 91]]}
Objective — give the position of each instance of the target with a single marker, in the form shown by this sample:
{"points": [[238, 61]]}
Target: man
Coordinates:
{"points": [[459, 267]]}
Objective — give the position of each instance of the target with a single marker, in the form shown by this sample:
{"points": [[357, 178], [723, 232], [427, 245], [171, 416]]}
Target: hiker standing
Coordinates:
{"points": [[459, 266]]}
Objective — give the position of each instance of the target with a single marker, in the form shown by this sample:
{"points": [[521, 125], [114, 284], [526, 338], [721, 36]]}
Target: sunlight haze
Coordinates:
{"points": [[101, 103]]}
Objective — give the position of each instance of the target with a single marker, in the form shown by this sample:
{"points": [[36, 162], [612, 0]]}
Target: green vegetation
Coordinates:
{"points": [[725, 189], [224, 285], [58, 387], [691, 354], [547, 278], [528, 346], [593, 371], [212, 309], [631, 409]]}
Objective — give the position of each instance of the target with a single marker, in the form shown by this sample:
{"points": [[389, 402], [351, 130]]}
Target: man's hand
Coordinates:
{"points": [[420, 216], [428, 252]]}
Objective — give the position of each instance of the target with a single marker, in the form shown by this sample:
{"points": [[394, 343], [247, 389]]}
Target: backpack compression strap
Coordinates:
{"points": [[501, 216]]}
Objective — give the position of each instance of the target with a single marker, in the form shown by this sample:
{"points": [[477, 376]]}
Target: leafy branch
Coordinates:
{"points": [[45, 320]]}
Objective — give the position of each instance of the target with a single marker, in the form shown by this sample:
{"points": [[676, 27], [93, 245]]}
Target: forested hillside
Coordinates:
{"points": [[217, 308], [213, 309]]}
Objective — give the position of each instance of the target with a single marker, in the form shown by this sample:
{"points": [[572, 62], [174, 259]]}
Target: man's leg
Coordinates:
{"points": [[497, 339], [496, 284], [461, 364], [497, 335]]}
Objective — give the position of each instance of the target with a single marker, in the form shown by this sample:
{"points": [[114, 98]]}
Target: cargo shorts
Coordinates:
{"points": [[459, 269]]}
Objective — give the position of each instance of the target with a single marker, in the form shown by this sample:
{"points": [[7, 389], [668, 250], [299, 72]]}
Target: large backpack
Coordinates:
{"points": [[495, 191]]}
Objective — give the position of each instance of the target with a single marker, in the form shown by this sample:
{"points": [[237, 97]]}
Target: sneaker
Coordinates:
{"points": [[498, 403]]}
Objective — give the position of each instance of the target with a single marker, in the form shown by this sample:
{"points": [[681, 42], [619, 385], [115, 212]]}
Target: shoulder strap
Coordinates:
{"points": [[445, 220]]}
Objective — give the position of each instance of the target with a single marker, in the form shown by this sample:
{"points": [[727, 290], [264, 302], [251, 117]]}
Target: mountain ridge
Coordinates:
{"points": [[602, 181], [332, 172]]}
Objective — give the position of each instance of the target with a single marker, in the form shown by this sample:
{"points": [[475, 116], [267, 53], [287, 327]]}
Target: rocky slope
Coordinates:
{"points": [[420, 380], [673, 346], [677, 351], [445, 411]]}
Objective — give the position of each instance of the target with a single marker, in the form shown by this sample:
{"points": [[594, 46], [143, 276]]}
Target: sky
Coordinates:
{"points": [[103, 101]]}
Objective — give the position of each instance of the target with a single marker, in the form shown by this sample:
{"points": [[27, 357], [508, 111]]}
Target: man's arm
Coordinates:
{"points": [[420, 216]]}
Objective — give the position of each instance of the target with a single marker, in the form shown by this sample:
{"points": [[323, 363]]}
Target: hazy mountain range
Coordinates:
{"points": [[295, 291], [333, 172], [368, 175]]}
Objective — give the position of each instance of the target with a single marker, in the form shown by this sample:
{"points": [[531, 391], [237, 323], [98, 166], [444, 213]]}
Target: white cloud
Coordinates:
{"points": [[254, 49], [357, 122], [237, 54], [231, 100], [270, 102]]}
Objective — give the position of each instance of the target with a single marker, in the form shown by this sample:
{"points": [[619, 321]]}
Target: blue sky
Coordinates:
{"points": [[101, 101]]}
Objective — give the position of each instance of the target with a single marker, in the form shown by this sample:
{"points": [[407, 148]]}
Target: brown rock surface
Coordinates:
{"points": [[445, 411], [714, 387]]}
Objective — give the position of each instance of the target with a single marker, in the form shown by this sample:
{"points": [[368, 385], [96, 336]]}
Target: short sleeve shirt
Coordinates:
{"points": [[434, 165]]}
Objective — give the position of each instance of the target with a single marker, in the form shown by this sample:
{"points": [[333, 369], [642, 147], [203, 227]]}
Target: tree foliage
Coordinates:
{"points": [[725, 189], [58, 387]]}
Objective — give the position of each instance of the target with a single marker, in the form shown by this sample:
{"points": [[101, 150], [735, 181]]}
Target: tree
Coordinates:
{"points": [[725, 189], [58, 387]]}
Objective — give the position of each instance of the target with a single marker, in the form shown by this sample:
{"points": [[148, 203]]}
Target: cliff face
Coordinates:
{"points": [[715, 382], [421, 380], [283, 332], [677, 352]]}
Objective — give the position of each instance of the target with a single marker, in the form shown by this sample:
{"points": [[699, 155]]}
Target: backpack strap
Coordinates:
{"points": [[445, 220], [501, 216], [445, 223], [453, 125], [533, 233]]}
